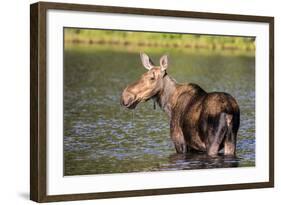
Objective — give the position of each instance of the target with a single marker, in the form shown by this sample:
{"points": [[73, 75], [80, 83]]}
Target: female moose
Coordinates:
{"points": [[200, 121]]}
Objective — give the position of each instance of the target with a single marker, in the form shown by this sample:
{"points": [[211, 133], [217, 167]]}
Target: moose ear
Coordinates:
{"points": [[164, 62], [146, 61]]}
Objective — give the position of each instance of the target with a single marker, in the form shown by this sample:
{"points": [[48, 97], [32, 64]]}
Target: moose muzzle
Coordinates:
{"points": [[128, 100]]}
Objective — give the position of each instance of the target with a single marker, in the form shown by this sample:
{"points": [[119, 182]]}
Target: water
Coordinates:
{"points": [[102, 137]]}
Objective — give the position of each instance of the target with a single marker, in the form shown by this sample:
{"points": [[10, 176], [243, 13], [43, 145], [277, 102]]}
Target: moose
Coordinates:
{"points": [[199, 121]]}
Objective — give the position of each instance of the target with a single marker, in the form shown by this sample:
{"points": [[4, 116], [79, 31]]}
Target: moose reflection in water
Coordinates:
{"points": [[194, 160], [199, 121]]}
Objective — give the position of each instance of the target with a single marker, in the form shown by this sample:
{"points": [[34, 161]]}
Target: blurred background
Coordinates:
{"points": [[102, 137], [136, 40]]}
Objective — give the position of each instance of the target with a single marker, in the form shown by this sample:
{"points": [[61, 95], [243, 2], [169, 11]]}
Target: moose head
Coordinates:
{"points": [[149, 84]]}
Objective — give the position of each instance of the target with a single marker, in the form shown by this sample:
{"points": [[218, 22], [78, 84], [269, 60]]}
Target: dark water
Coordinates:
{"points": [[102, 137]]}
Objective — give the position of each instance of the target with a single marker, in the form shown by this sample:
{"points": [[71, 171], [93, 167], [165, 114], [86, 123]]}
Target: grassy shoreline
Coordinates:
{"points": [[137, 40]]}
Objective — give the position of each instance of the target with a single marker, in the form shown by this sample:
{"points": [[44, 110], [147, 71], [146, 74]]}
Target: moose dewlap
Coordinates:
{"points": [[199, 121]]}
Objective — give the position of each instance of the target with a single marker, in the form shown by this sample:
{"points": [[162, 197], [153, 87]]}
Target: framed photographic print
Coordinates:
{"points": [[134, 102]]}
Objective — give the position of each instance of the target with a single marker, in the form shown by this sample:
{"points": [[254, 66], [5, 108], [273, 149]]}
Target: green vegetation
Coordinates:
{"points": [[135, 40]]}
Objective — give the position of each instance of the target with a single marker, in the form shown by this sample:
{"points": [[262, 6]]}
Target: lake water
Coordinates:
{"points": [[102, 137]]}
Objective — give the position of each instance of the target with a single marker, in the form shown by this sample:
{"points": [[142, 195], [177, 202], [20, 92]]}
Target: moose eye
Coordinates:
{"points": [[152, 77]]}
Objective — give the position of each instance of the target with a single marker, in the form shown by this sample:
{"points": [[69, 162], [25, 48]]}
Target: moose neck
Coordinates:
{"points": [[164, 97]]}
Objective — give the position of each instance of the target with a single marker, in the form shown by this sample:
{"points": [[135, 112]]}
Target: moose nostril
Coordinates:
{"points": [[127, 98], [127, 101]]}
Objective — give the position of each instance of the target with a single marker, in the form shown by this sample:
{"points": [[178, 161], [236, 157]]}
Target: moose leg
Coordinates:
{"points": [[216, 133], [231, 136], [178, 138], [230, 143], [229, 147]]}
